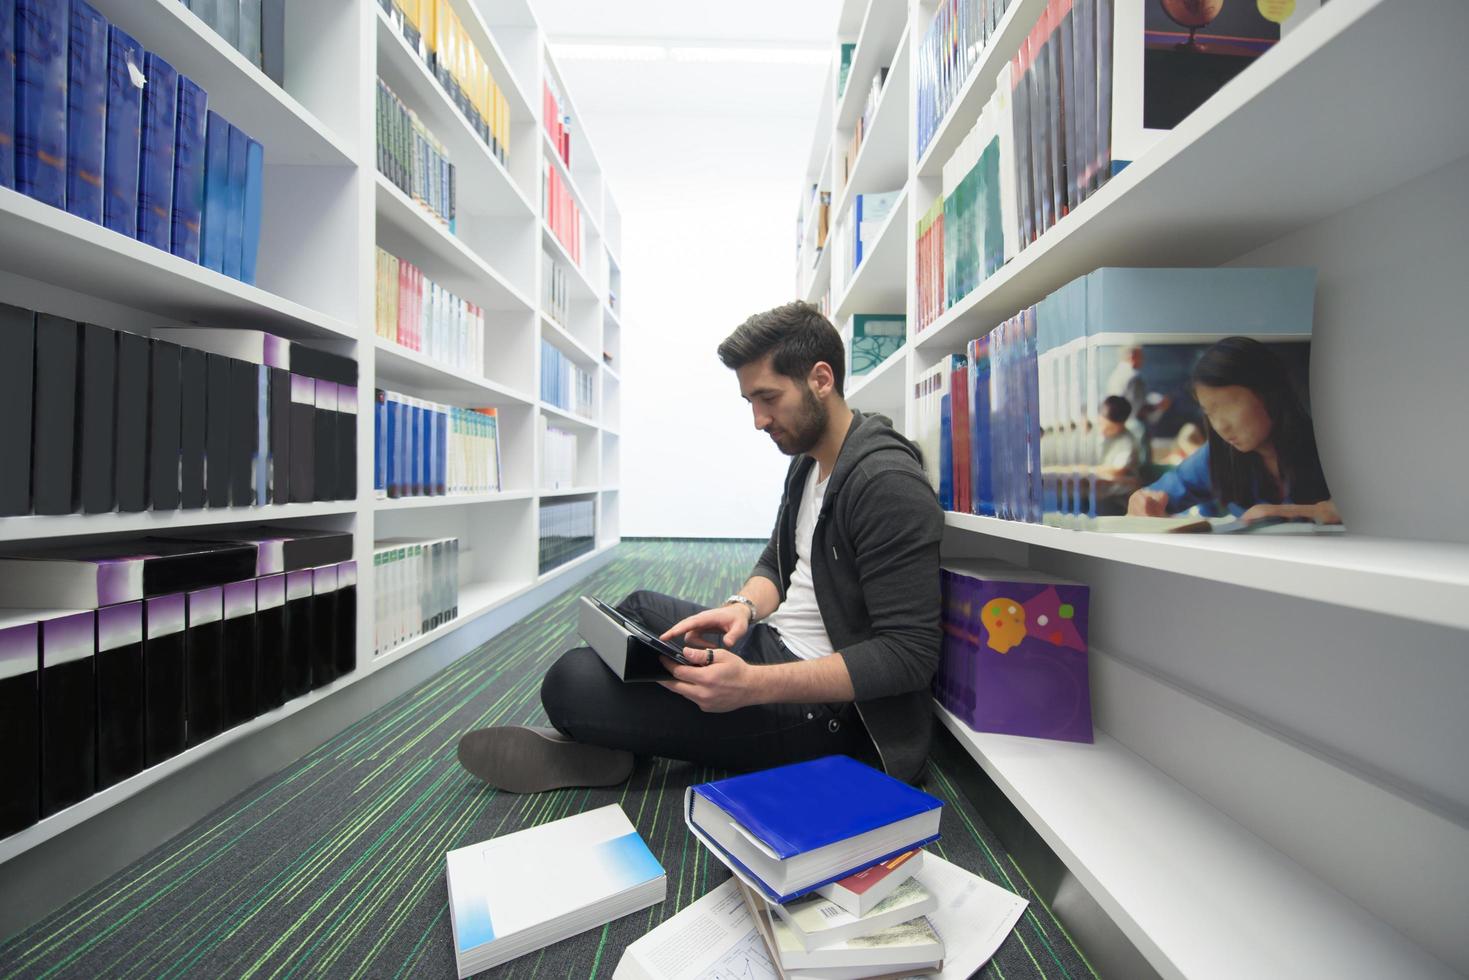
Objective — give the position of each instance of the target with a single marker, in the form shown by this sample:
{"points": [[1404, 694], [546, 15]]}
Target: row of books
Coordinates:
{"points": [[1135, 399], [115, 135], [413, 158], [864, 122], [558, 457], [951, 47], [555, 118], [255, 28], [415, 312], [435, 33], [415, 588], [563, 214], [556, 290], [568, 529], [1092, 86], [115, 657], [565, 383], [95, 420], [426, 449]]}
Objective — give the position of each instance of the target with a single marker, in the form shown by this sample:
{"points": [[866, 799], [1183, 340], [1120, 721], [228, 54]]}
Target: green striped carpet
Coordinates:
{"points": [[334, 866]]}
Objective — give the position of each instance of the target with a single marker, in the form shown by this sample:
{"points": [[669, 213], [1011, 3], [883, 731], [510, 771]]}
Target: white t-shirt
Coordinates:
{"points": [[798, 619]]}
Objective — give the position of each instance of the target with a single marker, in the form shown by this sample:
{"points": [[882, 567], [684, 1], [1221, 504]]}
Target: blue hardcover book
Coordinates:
{"points": [[41, 31], [380, 444], [188, 172], [155, 167], [805, 840], [946, 452], [390, 446], [415, 449], [443, 444], [234, 202], [86, 111], [254, 191], [124, 132], [7, 93], [216, 191]]}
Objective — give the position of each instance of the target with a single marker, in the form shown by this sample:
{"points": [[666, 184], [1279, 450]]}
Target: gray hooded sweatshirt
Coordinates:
{"points": [[875, 569]]}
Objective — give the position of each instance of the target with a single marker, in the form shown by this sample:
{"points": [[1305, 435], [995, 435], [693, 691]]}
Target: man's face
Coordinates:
{"points": [[784, 409]]}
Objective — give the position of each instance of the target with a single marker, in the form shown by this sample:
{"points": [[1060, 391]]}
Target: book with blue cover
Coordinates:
{"points": [[86, 111], [155, 168], [42, 28], [216, 191], [254, 191], [123, 132], [517, 893], [234, 207], [779, 831], [188, 177], [7, 93]]}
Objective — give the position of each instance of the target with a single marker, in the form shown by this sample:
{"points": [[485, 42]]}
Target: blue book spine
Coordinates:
{"points": [[442, 442], [390, 449], [412, 463], [188, 172], [86, 111], [124, 133], [380, 444], [254, 198], [216, 190], [946, 454], [234, 215], [41, 32], [155, 167], [7, 93]]}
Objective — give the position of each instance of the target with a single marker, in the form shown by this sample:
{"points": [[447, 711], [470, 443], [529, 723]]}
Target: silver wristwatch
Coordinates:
{"points": [[747, 602]]}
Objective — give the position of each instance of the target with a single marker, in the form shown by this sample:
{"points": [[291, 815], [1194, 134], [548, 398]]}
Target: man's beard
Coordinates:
{"points": [[809, 426]]}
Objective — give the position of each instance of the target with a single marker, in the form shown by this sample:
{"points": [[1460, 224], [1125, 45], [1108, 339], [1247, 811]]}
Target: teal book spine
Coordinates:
{"points": [[234, 216], [254, 200]]}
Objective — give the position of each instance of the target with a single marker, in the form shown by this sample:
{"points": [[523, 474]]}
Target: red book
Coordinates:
{"points": [[861, 892]]}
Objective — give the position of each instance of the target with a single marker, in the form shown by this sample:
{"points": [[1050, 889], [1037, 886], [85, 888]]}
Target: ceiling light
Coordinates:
{"points": [[610, 52], [711, 54]]}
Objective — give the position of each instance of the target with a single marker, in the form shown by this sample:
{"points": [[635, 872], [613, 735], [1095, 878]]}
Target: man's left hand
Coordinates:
{"points": [[724, 682]]}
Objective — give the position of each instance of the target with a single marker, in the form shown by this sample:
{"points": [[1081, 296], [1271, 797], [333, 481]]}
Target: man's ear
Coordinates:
{"points": [[821, 378]]}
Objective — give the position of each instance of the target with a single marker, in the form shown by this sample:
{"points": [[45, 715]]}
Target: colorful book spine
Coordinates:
{"points": [[42, 29], [86, 112], [7, 93], [155, 169], [188, 181], [216, 190], [234, 213], [254, 200], [124, 132]]}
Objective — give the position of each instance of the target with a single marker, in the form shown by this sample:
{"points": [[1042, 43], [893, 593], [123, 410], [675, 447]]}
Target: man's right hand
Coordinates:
{"points": [[732, 620], [1148, 503]]}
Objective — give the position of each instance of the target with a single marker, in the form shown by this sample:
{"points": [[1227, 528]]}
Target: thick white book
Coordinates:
{"points": [[817, 922], [511, 895]]}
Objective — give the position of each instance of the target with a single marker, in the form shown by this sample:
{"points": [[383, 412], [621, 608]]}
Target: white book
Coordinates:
{"points": [[860, 893], [515, 894], [818, 922]]}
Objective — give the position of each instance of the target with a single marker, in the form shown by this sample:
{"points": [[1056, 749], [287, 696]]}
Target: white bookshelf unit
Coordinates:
{"points": [[1277, 787], [326, 210]]}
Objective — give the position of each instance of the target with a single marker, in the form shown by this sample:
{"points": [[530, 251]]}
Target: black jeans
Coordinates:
{"points": [[586, 702]]}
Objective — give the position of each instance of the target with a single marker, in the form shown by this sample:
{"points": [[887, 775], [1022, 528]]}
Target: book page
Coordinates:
{"points": [[712, 939]]}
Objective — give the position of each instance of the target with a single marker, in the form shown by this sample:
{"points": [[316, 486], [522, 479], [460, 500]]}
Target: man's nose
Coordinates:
{"points": [[762, 421]]}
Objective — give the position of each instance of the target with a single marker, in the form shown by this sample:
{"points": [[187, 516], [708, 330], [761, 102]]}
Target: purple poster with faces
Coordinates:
{"points": [[1014, 652]]}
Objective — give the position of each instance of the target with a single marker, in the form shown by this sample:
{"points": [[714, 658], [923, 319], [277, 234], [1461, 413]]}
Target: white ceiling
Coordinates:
{"points": [[790, 21]]}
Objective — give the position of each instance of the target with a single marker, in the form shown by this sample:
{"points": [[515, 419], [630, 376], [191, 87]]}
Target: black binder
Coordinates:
{"points": [[346, 465], [326, 440], [17, 374], [90, 576], [285, 549], [244, 430], [204, 665], [280, 436], [120, 693], [99, 419], [164, 427], [323, 625], [273, 647], [239, 653], [131, 456], [163, 677], [68, 711], [20, 722], [53, 476], [300, 631], [303, 439], [217, 430], [193, 382], [346, 618]]}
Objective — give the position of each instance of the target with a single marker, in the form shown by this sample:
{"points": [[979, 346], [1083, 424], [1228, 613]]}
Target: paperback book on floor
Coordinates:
{"points": [[514, 894]]}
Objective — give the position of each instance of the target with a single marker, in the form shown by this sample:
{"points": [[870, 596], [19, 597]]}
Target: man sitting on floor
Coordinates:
{"points": [[831, 645]]}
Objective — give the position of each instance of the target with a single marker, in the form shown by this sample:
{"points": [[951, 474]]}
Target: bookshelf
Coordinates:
{"points": [[1273, 778], [327, 210]]}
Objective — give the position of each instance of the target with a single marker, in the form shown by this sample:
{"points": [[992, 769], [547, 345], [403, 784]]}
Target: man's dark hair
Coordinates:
{"points": [[1115, 408], [795, 336]]}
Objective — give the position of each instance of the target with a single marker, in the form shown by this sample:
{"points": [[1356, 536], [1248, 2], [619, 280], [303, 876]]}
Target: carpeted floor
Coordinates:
{"points": [[335, 865]]}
